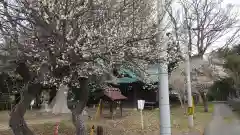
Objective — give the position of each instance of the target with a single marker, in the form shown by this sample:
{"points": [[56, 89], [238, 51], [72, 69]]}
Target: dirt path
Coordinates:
{"points": [[224, 121]]}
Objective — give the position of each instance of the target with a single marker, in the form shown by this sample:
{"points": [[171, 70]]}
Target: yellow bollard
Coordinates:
{"points": [[96, 116], [193, 106], [98, 109]]}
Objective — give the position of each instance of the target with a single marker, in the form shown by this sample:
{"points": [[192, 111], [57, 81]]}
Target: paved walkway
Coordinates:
{"points": [[224, 121]]}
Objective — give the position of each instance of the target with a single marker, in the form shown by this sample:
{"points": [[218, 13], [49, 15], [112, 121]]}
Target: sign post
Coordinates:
{"points": [[31, 104], [141, 107]]}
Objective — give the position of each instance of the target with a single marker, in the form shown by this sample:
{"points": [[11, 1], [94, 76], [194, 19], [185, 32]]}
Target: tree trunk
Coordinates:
{"points": [[78, 122], [77, 117], [237, 93], [205, 101], [52, 94], [38, 101], [181, 100], [200, 99], [135, 89], [17, 122]]}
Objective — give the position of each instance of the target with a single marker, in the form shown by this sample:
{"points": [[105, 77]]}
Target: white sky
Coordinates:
{"points": [[237, 2], [219, 42]]}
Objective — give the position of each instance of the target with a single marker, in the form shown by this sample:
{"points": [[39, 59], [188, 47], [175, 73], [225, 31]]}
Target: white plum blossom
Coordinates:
{"points": [[72, 34]]}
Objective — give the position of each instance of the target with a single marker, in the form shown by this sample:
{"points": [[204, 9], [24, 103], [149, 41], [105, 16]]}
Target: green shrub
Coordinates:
{"points": [[220, 89]]}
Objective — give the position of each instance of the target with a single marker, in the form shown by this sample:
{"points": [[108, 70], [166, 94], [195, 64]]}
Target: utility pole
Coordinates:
{"points": [[163, 91], [188, 75]]}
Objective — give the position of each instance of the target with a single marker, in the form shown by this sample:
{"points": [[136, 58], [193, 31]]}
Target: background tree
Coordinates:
{"points": [[178, 84], [199, 25], [222, 89], [206, 23], [203, 73], [232, 66]]}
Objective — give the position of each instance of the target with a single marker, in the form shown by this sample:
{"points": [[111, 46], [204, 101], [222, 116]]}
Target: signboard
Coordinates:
{"points": [[141, 104], [12, 98], [32, 102]]}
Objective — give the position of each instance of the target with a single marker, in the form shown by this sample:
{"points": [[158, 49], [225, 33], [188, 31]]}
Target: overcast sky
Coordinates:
{"points": [[236, 3], [153, 70], [221, 41]]}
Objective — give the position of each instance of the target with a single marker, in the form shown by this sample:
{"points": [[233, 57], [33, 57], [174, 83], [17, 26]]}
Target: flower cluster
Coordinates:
{"points": [[66, 38]]}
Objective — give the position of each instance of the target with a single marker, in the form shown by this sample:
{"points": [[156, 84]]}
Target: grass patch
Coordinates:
{"points": [[201, 118], [234, 116], [229, 119], [237, 112], [130, 124], [47, 129]]}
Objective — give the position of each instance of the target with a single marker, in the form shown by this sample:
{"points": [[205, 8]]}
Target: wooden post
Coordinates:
{"points": [[142, 124], [111, 108], [120, 105], [99, 130], [101, 108]]}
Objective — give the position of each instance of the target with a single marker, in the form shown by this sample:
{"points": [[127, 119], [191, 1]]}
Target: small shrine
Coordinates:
{"points": [[114, 97]]}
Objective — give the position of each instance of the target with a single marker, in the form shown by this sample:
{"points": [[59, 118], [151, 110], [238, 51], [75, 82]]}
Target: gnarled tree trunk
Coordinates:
{"points": [[77, 118], [181, 101], [205, 101], [17, 122]]}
